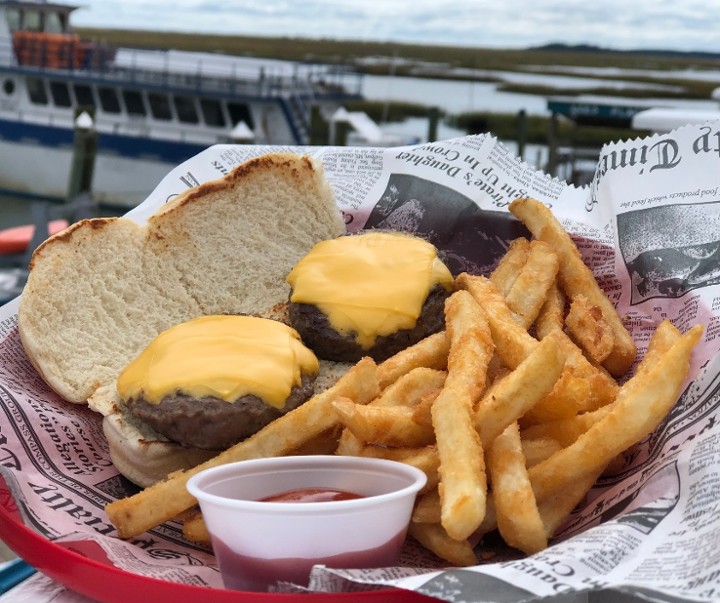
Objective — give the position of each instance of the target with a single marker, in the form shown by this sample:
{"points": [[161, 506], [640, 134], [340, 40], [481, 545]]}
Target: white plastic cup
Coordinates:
{"points": [[258, 543]]}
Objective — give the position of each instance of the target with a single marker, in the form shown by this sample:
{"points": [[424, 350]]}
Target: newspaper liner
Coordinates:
{"points": [[650, 530]]}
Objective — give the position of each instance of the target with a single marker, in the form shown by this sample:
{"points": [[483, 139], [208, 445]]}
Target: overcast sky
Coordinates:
{"points": [[619, 24]]}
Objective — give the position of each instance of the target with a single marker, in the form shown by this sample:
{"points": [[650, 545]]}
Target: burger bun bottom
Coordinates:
{"points": [[145, 456], [141, 454]]}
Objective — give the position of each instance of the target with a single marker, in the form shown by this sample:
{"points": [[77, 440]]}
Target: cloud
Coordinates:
{"points": [[618, 24]]}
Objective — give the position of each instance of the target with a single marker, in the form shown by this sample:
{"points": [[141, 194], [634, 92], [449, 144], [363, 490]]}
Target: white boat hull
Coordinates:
{"points": [[38, 170]]}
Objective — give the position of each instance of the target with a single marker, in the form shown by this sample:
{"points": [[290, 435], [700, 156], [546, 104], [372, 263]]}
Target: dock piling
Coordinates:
{"points": [[433, 118], [83, 158], [522, 127]]}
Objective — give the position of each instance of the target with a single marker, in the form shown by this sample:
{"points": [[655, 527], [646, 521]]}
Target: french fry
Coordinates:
{"points": [[422, 411], [536, 450], [514, 344], [590, 388], [603, 388], [430, 352], [434, 538], [530, 289], [557, 506], [552, 313], [427, 507], [510, 264], [194, 528], [518, 518], [408, 390], [589, 329], [582, 387], [489, 522], [576, 278], [641, 405], [569, 397], [427, 510], [349, 444], [383, 425], [512, 341], [663, 338], [555, 509], [463, 483], [411, 388], [150, 507], [519, 391], [426, 459], [566, 431]]}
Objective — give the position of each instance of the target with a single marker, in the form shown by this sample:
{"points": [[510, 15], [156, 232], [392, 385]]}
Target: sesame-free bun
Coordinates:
{"points": [[141, 454], [101, 290]]}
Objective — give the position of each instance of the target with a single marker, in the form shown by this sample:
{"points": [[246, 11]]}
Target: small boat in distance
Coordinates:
{"points": [[17, 238], [151, 109]]}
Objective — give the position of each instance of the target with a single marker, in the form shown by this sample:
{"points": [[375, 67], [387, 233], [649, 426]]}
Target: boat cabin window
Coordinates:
{"points": [[212, 112], [33, 20], [185, 109], [36, 91], [54, 23], [84, 95], [108, 99], [13, 19], [240, 112], [159, 105], [134, 102], [60, 93]]}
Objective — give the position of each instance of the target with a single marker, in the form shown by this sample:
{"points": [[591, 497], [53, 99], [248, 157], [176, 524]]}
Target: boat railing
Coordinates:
{"points": [[309, 81]]}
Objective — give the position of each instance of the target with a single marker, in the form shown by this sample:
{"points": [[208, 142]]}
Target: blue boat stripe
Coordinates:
{"points": [[130, 147]]}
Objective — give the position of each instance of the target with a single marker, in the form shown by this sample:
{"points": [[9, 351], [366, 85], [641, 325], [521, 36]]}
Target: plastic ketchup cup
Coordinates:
{"points": [[260, 542]]}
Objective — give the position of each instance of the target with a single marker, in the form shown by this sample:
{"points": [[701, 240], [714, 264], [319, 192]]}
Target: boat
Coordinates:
{"points": [[577, 165], [665, 119], [150, 109], [17, 238]]}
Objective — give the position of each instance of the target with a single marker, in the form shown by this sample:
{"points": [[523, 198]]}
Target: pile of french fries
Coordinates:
{"points": [[513, 411]]}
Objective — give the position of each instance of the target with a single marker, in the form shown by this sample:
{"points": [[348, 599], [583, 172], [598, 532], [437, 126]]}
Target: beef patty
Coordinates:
{"points": [[211, 423], [319, 335]]}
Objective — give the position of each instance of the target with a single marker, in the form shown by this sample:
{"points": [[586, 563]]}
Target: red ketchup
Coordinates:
{"points": [[241, 572], [304, 495]]}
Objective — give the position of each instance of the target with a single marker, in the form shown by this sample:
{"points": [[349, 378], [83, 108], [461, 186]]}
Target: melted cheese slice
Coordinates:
{"points": [[222, 356], [369, 285]]}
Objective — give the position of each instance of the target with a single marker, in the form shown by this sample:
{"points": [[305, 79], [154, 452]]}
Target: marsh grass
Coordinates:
{"points": [[436, 61], [346, 51]]}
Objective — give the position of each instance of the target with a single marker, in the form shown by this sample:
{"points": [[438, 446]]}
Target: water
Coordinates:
{"points": [[452, 96], [455, 96]]}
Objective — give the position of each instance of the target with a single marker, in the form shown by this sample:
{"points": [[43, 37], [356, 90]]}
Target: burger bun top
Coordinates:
{"points": [[101, 290]]}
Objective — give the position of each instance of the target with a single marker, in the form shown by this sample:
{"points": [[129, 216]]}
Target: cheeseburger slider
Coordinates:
{"points": [[370, 294], [102, 290], [215, 380]]}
